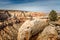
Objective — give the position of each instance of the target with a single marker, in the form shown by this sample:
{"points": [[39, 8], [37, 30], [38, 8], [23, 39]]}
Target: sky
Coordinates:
{"points": [[31, 5]]}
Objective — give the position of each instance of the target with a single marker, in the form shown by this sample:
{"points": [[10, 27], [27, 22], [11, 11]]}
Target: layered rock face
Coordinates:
{"points": [[9, 30]]}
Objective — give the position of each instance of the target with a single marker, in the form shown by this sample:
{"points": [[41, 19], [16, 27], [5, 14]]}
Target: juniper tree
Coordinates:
{"points": [[53, 15]]}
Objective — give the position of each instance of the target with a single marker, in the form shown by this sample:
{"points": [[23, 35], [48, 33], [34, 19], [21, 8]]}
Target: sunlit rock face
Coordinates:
{"points": [[11, 27], [31, 27], [49, 33]]}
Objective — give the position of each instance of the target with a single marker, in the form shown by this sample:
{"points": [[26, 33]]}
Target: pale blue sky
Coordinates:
{"points": [[31, 5]]}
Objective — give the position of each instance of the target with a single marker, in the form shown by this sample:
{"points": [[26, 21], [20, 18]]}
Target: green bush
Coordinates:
{"points": [[53, 15]]}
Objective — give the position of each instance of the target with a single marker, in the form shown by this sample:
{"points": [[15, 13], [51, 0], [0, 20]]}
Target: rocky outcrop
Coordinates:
{"points": [[49, 33], [58, 31], [30, 28]]}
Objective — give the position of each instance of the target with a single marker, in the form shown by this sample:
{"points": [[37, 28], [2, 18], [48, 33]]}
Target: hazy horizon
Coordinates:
{"points": [[31, 5]]}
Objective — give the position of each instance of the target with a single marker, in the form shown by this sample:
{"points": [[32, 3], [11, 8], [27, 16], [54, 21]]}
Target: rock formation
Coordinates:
{"points": [[30, 28], [4, 16], [49, 33]]}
